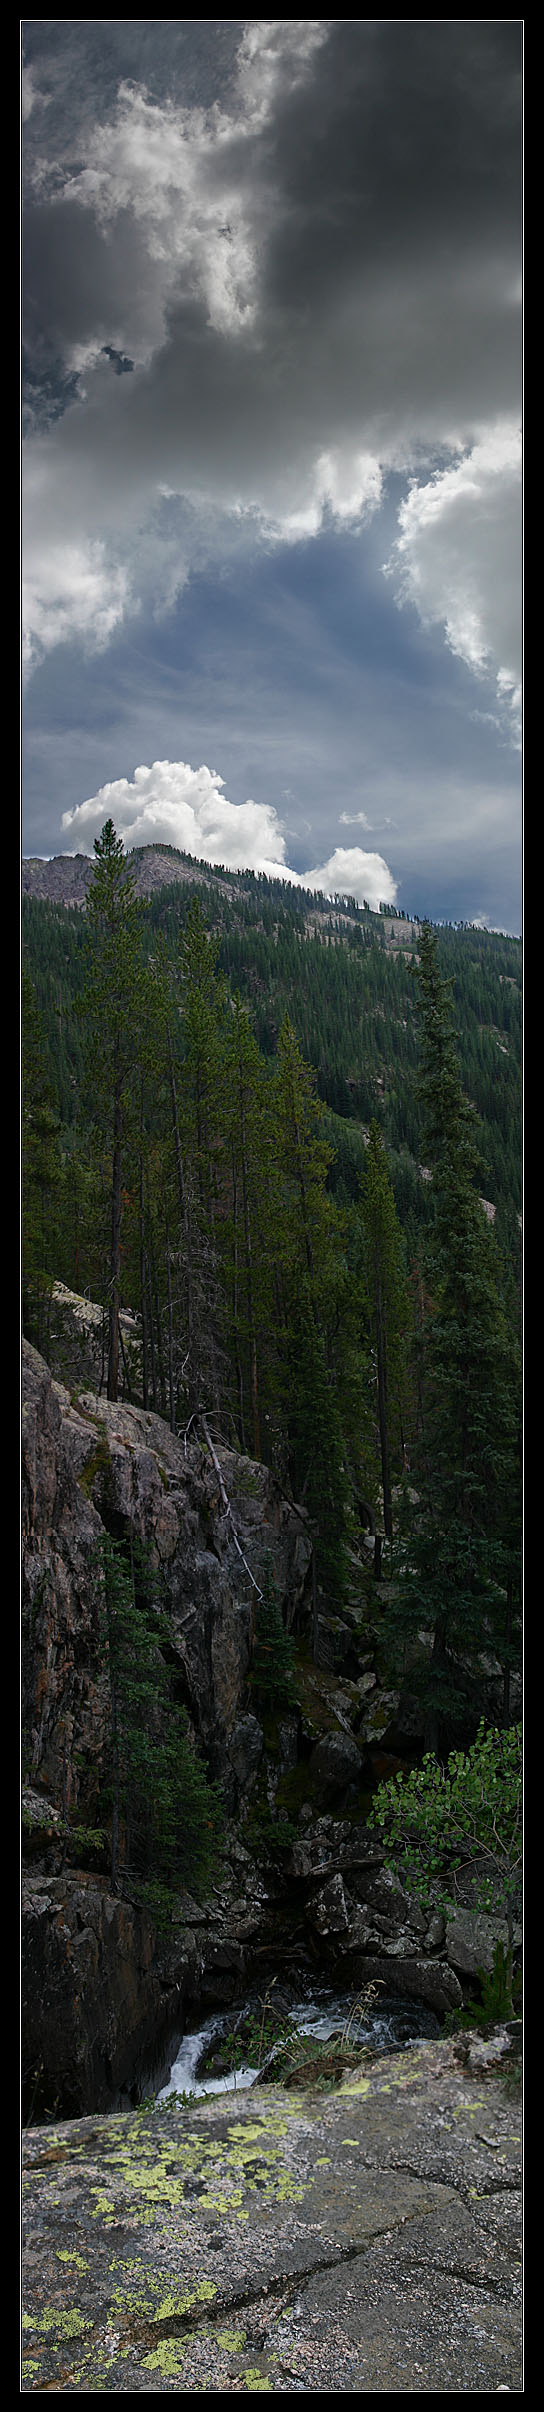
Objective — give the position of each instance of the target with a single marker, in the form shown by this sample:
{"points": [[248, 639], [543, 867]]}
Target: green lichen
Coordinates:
{"points": [[256, 2384], [231, 2339], [175, 2305], [287, 2191], [141, 2298], [222, 2202], [68, 2323], [254, 2133], [167, 2358]]}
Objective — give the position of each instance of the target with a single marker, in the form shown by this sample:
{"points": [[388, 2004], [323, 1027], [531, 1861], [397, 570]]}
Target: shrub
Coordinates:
{"points": [[438, 1821]]}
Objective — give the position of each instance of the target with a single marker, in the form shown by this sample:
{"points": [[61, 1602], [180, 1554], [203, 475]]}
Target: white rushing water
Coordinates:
{"points": [[384, 2029], [183, 2079]]}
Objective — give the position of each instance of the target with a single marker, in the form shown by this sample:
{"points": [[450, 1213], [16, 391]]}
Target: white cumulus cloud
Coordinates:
{"points": [[458, 558], [350, 872], [70, 590], [170, 804]]}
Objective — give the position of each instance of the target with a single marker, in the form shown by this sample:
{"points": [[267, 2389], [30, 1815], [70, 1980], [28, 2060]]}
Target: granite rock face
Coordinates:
{"points": [[91, 1467], [102, 1994], [95, 1998], [98, 1991]]}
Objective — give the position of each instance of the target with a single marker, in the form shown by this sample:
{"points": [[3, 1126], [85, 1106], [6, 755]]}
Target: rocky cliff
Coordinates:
{"points": [[99, 1990], [90, 1467], [301, 1884]]}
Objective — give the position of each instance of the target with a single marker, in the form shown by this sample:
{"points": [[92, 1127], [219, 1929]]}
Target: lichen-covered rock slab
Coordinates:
{"points": [[361, 2242]]}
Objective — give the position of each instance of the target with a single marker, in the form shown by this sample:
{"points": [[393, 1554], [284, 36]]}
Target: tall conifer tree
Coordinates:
{"points": [[460, 1550], [386, 1304], [253, 1182], [310, 1282], [41, 1169], [112, 1010]]}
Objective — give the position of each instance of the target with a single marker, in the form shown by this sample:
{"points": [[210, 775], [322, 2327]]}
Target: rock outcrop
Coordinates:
{"points": [[96, 1996], [99, 1990], [363, 2242], [90, 1467]]}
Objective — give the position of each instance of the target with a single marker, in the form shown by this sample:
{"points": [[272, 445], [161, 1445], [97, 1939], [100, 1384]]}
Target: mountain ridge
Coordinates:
{"points": [[65, 879]]}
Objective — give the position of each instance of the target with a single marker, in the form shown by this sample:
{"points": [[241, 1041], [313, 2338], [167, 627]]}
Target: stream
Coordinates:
{"points": [[385, 2027]]}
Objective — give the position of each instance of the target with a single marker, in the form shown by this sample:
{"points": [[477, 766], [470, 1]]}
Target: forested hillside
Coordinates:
{"points": [[247, 1118], [345, 977]]}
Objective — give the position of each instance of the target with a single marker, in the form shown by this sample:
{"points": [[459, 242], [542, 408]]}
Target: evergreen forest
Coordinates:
{"points": [[291, 1148]]}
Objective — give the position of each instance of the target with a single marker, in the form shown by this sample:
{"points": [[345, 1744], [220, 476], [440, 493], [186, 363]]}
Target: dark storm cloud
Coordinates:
{"points": [[380, 197], [396, 158], [305, 235], [412, 139], [74, 282]]}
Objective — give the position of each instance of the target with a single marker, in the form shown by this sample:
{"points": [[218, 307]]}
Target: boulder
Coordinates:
{"points": [[471, 1940], [328, 1912], [429, 1981], [336, 1764]]}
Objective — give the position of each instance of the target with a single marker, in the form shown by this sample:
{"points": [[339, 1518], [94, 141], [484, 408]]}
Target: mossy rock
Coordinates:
{"points": [[98, 1466]]}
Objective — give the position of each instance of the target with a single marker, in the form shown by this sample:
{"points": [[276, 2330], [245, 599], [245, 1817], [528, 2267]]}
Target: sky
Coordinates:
{"points": [[272, 449]]}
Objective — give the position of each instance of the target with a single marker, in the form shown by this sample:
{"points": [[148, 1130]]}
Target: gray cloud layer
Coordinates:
{"points": [[329, 262], [306, 237]]}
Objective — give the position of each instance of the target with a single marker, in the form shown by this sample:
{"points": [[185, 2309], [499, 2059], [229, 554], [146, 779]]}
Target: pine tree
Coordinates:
{"points": [[112, 1010], [199, 1121], [311, 1282], [274, 1654], [460, 1553], [385, 1302], [165, 1816], [253, 1181], [41, 1171]]}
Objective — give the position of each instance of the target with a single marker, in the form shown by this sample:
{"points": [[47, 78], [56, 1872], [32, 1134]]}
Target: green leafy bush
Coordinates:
{"points": [[439, 1821]]}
